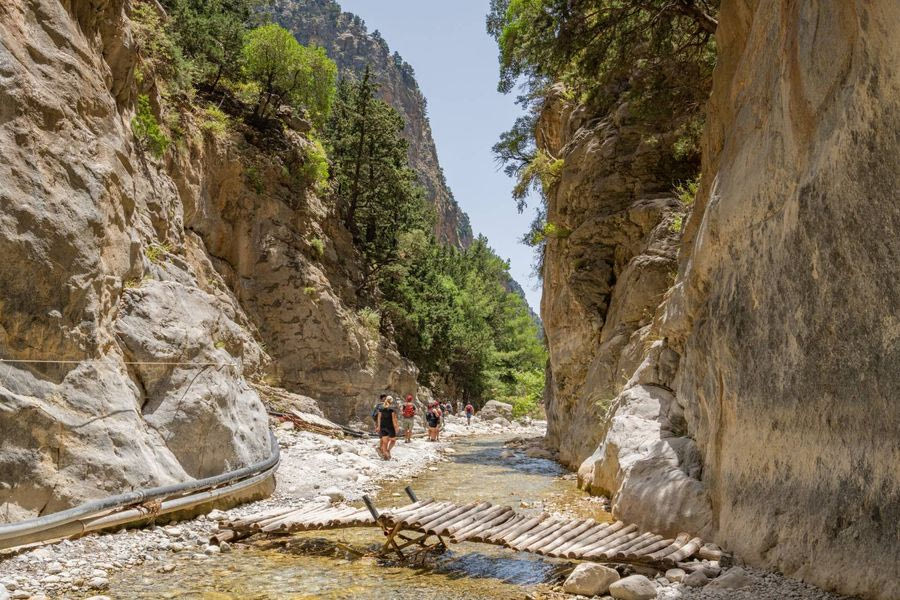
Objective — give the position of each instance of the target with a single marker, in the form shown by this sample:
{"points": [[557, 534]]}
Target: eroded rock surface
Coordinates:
{"points": [[777, 348]]}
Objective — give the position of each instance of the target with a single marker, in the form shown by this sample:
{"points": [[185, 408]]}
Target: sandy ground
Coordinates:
{"points": [[312, 467]]}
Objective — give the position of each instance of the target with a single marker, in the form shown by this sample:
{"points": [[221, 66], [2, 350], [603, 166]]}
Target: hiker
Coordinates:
{"points": [[386, 423], [432, 418], [470, 410], [375, 410], [409, 418], [439, 409]]}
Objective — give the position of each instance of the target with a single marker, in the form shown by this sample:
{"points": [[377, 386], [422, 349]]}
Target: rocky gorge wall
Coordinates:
{"points": [[212, 260], [762, 414]]}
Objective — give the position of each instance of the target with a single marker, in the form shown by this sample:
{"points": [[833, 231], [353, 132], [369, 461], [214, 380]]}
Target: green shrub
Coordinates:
{"points": [[156, 251], [315, 165], [215, 121], [160, 52], [686, 192], [254, 179], [311, 291], [677, 224], [146, 128], [319, 246], [371, 319]]}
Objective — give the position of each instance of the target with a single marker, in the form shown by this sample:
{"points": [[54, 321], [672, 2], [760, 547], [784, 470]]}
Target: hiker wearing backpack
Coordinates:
{"points": [[470, 410], [408, 418]]}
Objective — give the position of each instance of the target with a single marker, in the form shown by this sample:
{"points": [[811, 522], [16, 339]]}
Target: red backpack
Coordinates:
{"points": [[409, 410]]}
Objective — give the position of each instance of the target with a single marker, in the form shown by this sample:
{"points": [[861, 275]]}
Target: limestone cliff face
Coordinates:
{"points": [[607, 267], [352, 47], [114, 262], [777, 350]]}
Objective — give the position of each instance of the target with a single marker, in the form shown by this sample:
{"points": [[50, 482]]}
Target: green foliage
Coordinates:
{"points": [[319, 246], [315, 165], [146, 128], [215, 121], [677, 224], [657, 56], [311, 291], [163, 59], [211, 34], [381, 196], [540, 173], [454, 316], [686, 192], [156, 251], [370, 319], [525, 392], [254, 179], [289, 73]]}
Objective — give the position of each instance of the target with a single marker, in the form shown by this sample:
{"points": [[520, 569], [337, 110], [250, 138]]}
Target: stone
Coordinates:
{"points": [[734, 579], [4, 594], [99, 598], [507, 454], [494, 409], [166, 568], [211, 549], [696, 579], [538, 452], [590, 579], [633, 587], [675, 575], [98, 583], [225, 547], [54, 568], [21, 595]]}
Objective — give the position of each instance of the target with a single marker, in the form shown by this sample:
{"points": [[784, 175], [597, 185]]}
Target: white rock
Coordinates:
{"points": [[167, 568], [98, 573], [224, 547], [633, 587], [589, 579], [21, 595], [99, 598], [217, 515], [173, 531], [211, 549], [51, 579], [98, 583], [54, 568], [735, 579], [675, 575], [4, 595], [696, 579]]}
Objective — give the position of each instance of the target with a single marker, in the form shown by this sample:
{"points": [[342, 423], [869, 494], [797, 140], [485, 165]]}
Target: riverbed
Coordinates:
{"points": [[324, 565]]}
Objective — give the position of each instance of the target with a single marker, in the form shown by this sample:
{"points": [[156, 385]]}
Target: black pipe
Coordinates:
{"points": [[130, 498], [411, 493], [371, 507]]}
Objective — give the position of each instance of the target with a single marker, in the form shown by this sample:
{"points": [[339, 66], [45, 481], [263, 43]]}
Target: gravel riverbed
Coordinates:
{"points": [[312, 466]]}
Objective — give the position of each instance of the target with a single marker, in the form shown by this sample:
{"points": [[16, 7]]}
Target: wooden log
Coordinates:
{"points": [[556, 538], [267, 514], [473, 521], [707, 553], [604, 540], [426, 525], [617, 541], [298, 513], [650, 549], [492, 533], [402, 511], [517, 530], [306, 518], [591, 532], [425, 514], [441, 527], [638, 549], [484, 509], [677, 543], [479, 529], [601, 536], [538, 532], [621, 551], [685, 551]]}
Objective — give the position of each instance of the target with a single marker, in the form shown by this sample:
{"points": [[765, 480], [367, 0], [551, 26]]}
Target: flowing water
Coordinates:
{"points": [[319, 565]]}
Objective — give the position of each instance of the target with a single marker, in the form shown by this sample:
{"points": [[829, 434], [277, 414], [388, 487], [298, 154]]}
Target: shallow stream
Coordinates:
{"points": [[316, 564]]}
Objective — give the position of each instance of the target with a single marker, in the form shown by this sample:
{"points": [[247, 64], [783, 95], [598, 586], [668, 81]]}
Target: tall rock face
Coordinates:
{"points": [[607, 266], [348, 43], [157, 289], [777, 350]]}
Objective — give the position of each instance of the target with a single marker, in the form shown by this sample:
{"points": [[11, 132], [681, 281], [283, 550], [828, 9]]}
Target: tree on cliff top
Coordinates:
{"points": [[289, 73]]}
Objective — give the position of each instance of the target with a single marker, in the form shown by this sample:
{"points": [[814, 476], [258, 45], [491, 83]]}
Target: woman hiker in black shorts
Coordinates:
{"points": [[387, 427]]}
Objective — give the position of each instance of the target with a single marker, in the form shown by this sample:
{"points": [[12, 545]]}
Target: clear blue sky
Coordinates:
{"points": [[456, 66]]}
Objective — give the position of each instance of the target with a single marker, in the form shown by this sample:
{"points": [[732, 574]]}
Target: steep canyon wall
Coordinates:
{"points": [[213, 259], [763, 412]]}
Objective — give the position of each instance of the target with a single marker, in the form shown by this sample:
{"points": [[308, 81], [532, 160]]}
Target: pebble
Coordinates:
{"points": [[173, 531], [20, 595], [675, 575], [633, 587], [224, 547], [167, 568], [98, 583], [99, 598], [211, 549], [4, 595], [54, 568]]}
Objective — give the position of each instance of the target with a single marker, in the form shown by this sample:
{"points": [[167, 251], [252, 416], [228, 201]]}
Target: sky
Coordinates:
{"points": [[455, 61]]}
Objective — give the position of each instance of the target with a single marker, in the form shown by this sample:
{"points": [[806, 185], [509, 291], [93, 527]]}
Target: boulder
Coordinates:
{"points": [[590, 579], [696, 579], [633, 587], [735, 579], [493, 409]]}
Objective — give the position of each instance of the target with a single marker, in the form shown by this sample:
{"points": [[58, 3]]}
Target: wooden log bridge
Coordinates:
{"points": [[414, 524]]}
